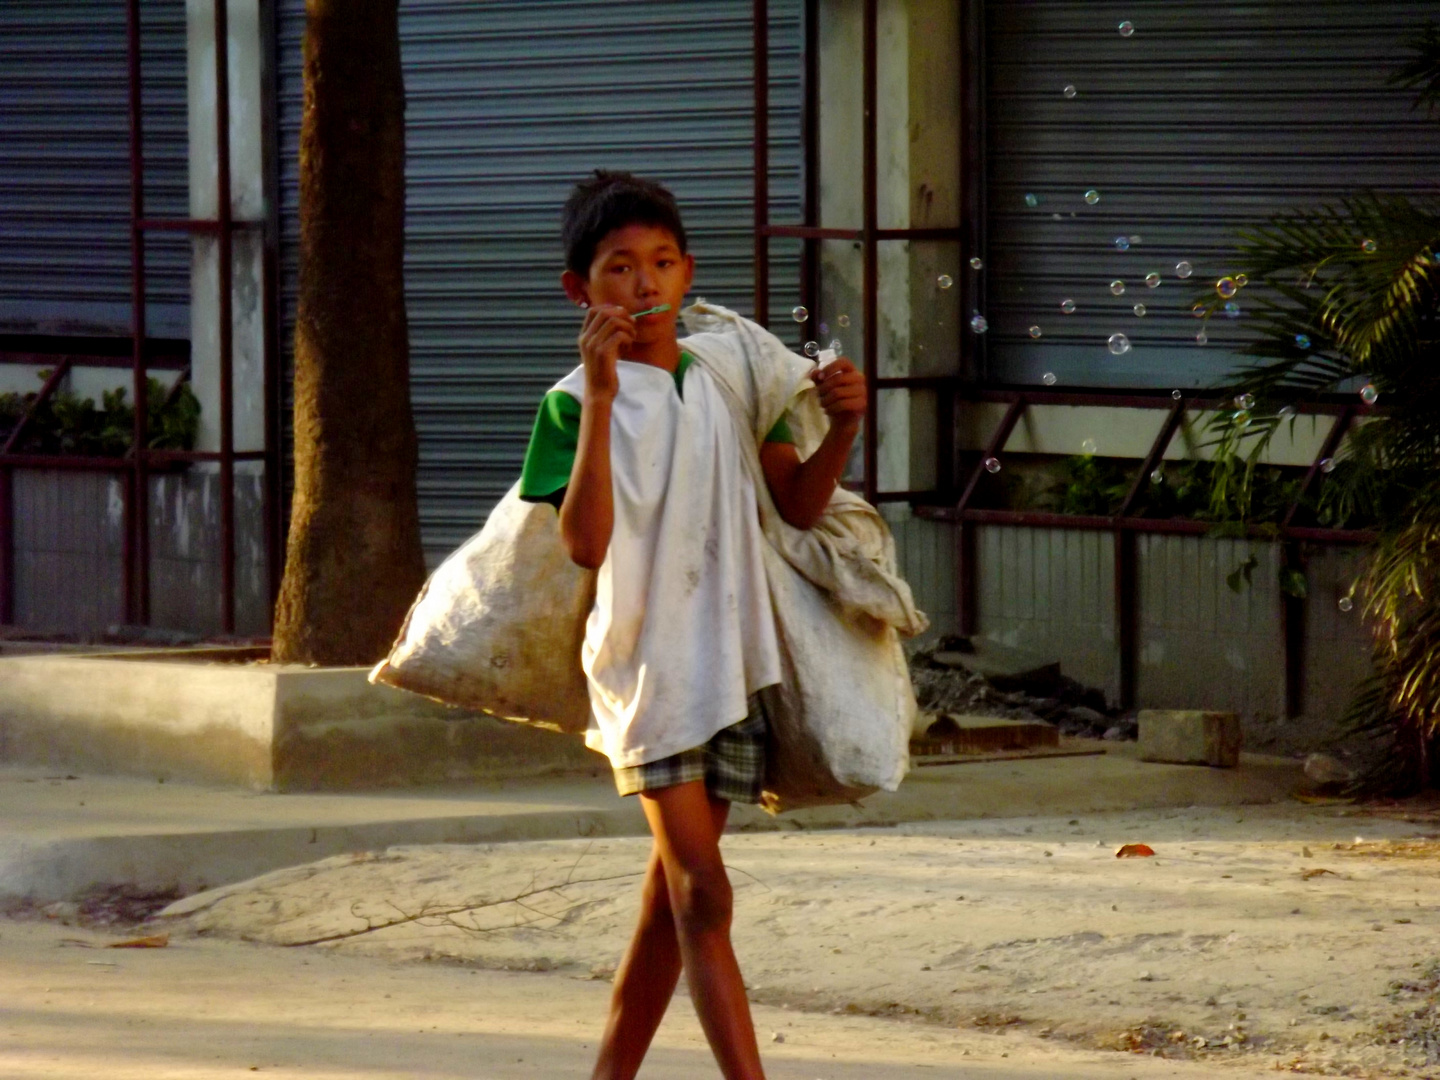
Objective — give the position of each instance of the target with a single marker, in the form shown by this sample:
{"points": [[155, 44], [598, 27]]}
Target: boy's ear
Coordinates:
{"points": [[689, 270], [576, 288]]}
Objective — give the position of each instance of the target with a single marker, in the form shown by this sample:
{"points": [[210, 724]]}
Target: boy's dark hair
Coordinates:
{"points": [[611, 200]]}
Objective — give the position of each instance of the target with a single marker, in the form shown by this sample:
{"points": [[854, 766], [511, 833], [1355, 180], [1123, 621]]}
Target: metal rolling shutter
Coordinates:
{"points": [[509, 102], [1211, 116], [65, 167]]}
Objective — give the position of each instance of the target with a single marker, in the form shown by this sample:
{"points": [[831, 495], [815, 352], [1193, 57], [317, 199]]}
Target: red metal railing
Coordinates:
{"points": [[947, 501], [136, 465]]}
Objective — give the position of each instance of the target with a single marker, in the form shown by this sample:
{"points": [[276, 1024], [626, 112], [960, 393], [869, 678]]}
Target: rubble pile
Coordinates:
{"points": [[946, 681]]}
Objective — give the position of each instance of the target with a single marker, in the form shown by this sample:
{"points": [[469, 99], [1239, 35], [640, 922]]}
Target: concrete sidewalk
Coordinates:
{"points": [[60, 836]]}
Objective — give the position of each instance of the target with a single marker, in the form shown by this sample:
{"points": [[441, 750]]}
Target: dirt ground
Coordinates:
{"points": [[1287, 936]]}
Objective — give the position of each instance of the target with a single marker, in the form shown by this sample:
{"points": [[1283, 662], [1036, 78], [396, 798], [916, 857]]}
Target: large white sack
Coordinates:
{"points": [[498, 626], [840, 720]]}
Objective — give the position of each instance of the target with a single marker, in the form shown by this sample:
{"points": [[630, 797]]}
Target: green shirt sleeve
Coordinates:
{"points": [[551, 454], [781, 432]]}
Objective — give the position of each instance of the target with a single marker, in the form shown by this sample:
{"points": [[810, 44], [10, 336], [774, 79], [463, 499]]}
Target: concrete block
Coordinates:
{"points": [[1190, 737], [217, 716]]}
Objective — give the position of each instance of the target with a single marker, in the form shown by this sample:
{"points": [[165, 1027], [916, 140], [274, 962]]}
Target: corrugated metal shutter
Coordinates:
{"points": [[65, 167], [509, 102], [1210, 116]]}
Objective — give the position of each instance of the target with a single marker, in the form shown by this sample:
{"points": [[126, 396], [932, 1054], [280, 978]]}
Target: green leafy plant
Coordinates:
{"points": [[1346, 300], [66, 423]]}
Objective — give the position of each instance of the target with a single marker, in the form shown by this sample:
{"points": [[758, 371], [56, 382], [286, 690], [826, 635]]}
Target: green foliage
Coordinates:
{"points": [[1087, 486], [1344, 296], [69, 424]]}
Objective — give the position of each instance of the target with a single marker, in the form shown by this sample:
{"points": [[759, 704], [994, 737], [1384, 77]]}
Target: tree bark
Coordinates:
{"points": [[354, 561]]}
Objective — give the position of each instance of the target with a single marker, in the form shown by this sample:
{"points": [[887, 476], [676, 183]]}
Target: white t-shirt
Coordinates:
{"points": [[682, 631]]}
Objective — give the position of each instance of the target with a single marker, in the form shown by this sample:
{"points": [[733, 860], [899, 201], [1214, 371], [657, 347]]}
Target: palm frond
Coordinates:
{"points": [[1422, 74]]}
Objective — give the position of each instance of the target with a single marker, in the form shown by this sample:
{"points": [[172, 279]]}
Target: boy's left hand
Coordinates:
{"points": [[842, 392]]}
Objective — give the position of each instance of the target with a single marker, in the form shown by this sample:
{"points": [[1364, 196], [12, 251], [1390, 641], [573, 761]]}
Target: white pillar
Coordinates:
{"points": [[247, 201]]}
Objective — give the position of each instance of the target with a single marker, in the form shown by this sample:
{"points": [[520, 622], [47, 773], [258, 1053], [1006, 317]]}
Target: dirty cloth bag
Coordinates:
{"points": [[499, 625], [841, 717]]}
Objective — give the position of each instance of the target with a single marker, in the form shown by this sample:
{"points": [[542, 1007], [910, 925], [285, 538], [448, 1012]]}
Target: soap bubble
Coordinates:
{"points": [[1369, 247], [1092, 196], [1139, 311], [1241, 280], [1158, 476], [812, 349], [979, 324], [1303, 340], [843, 320], [1177, 394], [1067, 306], [1285, 412], [1241, 419], [1134, 238], [1226, 287], [944, 281], [1232, 310], [992, 465], [1244, 401], [824, 328], [1035, 331], [1152, 280], [1119, 344], [976, 264], [1369, 394], [1327, 465], [1183, 270], [1090, 447], [1070, 91], [1198, 310], [1048, 378], [799, 313], [1345, 604], [1117, 288], [1032, 200], [1122, 243], [1202, 338], [836, 347], [1127, 29]]}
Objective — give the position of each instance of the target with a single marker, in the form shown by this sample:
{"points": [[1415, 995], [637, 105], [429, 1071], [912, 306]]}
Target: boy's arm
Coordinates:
{"points": [[802, 489], [587, 516]]}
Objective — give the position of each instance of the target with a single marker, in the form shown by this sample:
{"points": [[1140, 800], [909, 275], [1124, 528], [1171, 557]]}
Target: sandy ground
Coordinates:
{"points": [[1228, 945], [219, 1010]]}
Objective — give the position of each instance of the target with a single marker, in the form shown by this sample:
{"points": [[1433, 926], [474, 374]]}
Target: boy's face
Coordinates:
{"points": [[637, 267]]}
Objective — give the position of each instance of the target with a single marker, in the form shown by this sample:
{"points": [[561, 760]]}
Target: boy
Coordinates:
{"points": [[642, 459]]}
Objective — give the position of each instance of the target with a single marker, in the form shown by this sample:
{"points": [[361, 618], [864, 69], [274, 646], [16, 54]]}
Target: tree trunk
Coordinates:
{"points": [[354, 561]]}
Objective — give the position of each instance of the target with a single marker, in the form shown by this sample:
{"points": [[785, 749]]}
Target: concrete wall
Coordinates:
{"points": [[1202, 646], [218, 716], [69, 552]]}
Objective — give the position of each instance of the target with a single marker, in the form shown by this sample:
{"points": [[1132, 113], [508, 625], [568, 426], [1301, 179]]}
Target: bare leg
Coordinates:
{"points": [[687, 825], [645, 981]]}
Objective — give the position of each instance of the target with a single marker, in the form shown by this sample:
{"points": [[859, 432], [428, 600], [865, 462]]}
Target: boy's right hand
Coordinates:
{"points": [[608, 331]]}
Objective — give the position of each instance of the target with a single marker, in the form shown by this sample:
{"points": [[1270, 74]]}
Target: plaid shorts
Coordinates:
{"points": [[732, 763]]}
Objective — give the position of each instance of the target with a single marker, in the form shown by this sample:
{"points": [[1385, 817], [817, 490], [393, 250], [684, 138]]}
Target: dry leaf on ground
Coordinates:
{"points": [[1134, 851], [154, 941]]}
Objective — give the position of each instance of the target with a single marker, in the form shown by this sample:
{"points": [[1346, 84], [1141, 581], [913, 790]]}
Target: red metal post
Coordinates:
{"points": [[870, 302], [810, 140], [137, 515], [1126, 614], [7, 546], [225, 254], [966, 576], [762, 161]]}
